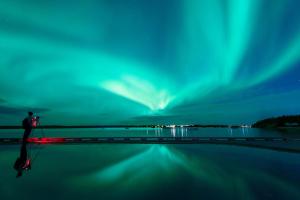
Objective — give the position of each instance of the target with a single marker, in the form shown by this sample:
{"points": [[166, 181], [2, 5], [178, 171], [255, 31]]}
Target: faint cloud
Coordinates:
{"points": [[20, 110]]}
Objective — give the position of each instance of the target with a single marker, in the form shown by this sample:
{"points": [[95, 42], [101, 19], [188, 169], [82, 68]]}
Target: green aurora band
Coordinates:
{"points": [[137, 62]]}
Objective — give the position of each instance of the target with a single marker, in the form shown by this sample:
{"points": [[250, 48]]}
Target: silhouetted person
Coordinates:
{"points": [[27, 125], [23, 162]]}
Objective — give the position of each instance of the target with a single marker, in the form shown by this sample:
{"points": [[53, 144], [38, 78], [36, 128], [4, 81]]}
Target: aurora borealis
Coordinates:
{"points": [[144, 62]]}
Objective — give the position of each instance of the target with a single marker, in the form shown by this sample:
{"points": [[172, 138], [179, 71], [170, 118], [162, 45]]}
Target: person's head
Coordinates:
{"points": [[30, 114]]}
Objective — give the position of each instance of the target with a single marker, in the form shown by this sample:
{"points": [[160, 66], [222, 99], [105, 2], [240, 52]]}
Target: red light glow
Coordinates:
{"points": [[45, 140]]}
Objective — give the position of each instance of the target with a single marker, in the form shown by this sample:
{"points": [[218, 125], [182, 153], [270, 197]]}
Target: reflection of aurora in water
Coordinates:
{"points": [[160, 164], [152, 172]]}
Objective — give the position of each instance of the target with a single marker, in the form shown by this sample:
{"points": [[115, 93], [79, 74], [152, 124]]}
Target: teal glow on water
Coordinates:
{"points": [[145, 132], [140, 171]]}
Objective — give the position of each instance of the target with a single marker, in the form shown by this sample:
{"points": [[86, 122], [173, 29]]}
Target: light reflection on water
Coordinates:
{"points": [[140, 171], [152, 172], [146, 132]]}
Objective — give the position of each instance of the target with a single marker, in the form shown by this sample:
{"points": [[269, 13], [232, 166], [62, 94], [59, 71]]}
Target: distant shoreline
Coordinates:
{"points": [[282, 122], [129, 126]]}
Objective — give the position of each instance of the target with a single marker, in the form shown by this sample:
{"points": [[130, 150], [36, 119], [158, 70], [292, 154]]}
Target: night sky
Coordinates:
{"points": [[144, 62]]}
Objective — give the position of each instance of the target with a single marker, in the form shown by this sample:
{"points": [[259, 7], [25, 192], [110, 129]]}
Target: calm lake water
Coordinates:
{"points": [[144, 171], [147, 132]]}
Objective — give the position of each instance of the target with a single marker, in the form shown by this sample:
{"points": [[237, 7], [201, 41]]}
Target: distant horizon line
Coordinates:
{"points": [[133, 126]]}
